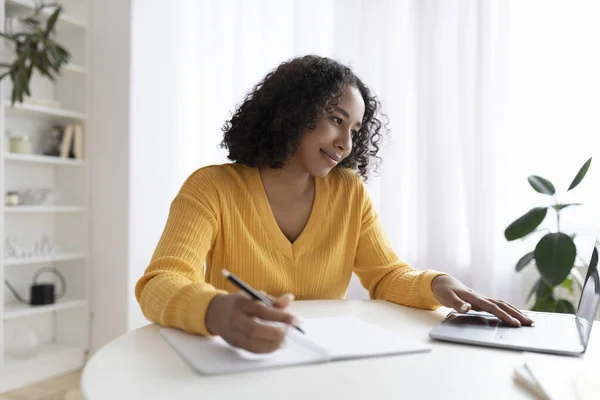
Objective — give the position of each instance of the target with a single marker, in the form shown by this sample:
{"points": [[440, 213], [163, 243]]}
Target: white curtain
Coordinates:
{"points": [[437, 66], [439, 188]]}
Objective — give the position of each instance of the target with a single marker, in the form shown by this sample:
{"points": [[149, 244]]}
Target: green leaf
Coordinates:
{"points": [[526, 223], [554, 255], [8, 37], [568, 284], [524, 261], [548, 304], [581, 174], [543, 290], [559, 207], [541, 185], [533, 290], [565, 307], [52, 21]]}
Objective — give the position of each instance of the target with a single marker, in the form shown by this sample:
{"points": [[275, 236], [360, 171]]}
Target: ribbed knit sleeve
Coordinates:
{"points": [[380, 270], [173, 292]]}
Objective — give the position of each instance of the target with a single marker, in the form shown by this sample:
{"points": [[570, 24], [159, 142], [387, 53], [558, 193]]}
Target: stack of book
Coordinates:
{"points": [[71, 145]]}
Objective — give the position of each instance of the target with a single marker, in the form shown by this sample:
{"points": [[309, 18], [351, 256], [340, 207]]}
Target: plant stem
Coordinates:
{"points": [[557, 213]]}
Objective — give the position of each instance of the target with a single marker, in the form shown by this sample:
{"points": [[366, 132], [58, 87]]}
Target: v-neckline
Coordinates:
{"points": [[290, 249]]}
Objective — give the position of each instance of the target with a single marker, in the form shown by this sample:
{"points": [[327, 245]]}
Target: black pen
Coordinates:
{"points": [[255, 294]]}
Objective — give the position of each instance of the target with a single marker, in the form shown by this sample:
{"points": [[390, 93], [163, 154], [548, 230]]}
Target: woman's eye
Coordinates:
{"points": [[337, 120]]}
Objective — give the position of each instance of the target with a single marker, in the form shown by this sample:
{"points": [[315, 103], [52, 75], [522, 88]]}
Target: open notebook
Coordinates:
{"points": [[326, 339]]}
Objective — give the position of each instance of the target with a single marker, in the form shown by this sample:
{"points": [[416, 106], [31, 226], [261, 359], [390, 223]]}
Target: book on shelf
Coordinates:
{"points": [[71, 145]]}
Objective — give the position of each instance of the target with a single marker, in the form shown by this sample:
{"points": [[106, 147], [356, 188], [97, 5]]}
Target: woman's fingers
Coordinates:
{"points": [[284, 301], [266, 313], [240, 338], [480, 303], [258, 330], [457, 303], [513, 311], [281, 302]]}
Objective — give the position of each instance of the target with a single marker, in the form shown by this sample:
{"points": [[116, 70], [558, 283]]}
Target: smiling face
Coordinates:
{"points": [[322, 148]]}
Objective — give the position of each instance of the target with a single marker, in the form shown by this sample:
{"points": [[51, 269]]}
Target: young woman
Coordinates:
{"points": [[290, 214]]}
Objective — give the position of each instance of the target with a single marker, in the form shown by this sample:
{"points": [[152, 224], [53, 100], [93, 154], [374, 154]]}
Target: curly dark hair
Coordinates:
{"points": [[266, 127]]}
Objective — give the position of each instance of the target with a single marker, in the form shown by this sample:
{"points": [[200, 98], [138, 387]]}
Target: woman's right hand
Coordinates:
{"points": [[232, 316]]}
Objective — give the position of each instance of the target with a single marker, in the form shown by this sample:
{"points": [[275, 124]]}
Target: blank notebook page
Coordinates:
{"points": [[326, 339], [351, 337], [215, 356]]}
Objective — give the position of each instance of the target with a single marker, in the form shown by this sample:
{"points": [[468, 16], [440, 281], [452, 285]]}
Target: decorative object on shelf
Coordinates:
{"points": [[12, 198], [54, 141], [66, 142], [35, 48], [39, 197], [20, 144], [23, 343], [41, 294], [43, 247], [32, 197], [555, 252]]}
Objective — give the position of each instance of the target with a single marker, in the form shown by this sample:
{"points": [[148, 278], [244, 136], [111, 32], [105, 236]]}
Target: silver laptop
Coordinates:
{"points": [[551, 333]]}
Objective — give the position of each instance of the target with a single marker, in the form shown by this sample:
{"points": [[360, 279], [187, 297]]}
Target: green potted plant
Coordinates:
{"points": [[35, 48], [555, 253]]}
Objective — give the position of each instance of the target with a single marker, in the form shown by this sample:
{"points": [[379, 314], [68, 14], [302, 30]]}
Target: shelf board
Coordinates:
{"points": [[44, 259], [51, 360], [44, 209], [18, 310], [42, 159], [79, 69], [37, 110], [19, 6]]}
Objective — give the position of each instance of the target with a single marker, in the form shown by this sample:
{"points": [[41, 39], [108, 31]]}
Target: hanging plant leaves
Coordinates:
{"points": [[554, 255], [541, 185], [34, 49], [548, 304], [543, 290], [524, 261], [580, 175], [568, 284], [565, 307], [525, 224], [52, 21], [559, 207]]}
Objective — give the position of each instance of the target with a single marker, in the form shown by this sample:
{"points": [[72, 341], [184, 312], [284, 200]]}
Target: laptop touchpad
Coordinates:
{"points": [[474, 320]]}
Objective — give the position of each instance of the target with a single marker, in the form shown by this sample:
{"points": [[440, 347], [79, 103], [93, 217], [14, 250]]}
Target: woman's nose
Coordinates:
{"points": [[344, 142]]}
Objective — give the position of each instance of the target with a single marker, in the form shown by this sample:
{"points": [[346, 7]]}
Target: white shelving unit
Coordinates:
{"points": [[62, 328], [9, 262], [43, 209], [41, 159], [37, 111]]}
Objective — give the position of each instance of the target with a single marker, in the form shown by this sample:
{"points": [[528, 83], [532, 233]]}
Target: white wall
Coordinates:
{"points": [[110, 172]]}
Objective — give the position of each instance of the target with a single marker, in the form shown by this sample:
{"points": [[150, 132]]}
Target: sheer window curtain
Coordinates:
{"points": [[437, 67]]}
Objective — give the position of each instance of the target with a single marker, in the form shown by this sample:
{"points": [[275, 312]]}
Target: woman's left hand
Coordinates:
{"points": [[452, 293]]}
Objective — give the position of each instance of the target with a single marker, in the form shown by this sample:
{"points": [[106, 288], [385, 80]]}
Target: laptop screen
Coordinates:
{"points": [[590, 297]]}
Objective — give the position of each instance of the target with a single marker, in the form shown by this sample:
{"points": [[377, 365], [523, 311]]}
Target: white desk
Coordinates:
{"points": [[141, 365]]}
